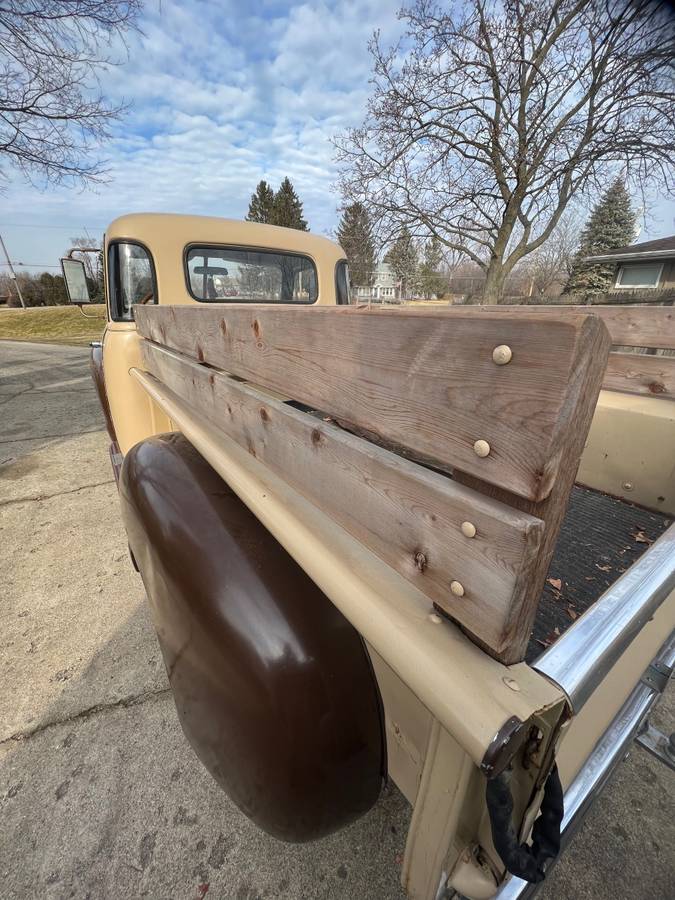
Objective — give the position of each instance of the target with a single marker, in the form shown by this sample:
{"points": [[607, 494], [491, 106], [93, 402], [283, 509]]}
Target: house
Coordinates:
{"points": [[650, 264], [384, 286]]}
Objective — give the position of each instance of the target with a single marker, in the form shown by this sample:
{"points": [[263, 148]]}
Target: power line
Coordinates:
{"points": [[40, 227], [31, 265]]}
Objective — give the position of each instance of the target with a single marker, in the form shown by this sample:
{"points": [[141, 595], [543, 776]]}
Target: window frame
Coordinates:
{"points": [[248, 249], [340, 263], [112, 306], [631, 287]]}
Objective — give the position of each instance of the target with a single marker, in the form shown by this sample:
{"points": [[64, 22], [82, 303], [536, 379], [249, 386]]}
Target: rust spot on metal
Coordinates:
{"points": [[212, 379], [264, 414], [200, 354], [223, 326], [317, 436], [420, 561], [656, 387], [256, 328], [250, 447]]}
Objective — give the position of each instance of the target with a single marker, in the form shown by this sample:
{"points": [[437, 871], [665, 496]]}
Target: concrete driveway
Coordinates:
{"points": [[100, 795]]}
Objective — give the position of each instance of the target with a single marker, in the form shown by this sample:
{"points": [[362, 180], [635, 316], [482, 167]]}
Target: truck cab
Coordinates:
{"points": [[194, 260]]}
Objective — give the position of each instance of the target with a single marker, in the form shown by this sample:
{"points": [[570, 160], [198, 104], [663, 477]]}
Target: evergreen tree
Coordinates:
{"points": [[287, 208], [432, 280], [355, 234], [402, 257], [262, 203], [610, 225]]}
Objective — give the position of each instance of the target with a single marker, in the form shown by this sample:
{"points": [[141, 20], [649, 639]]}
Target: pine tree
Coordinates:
{"points": [[262, 203], [287, 208], [432, 280], [355, 234], [610, 225], [402, 257]]}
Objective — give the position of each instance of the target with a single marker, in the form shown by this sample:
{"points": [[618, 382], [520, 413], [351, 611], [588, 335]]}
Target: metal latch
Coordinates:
{"points": [[657, 676]]}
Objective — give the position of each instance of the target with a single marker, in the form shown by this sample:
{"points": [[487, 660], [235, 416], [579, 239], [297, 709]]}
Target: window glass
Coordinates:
{"points": [[131, 279], [342, 283], [233, 275], [639, 275]]}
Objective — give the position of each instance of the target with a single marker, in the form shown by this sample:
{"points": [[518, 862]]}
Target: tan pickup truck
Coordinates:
{"points": [[430, 545]]}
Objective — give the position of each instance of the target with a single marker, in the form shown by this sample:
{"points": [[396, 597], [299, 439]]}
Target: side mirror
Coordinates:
{"points": [[76, 281]]}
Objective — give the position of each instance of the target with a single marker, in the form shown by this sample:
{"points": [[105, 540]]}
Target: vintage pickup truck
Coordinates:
{"points": [[364, 549]]}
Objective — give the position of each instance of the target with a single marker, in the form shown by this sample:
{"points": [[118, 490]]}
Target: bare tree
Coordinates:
{"points": [[551, 263], [490, 118], [53, 115]]}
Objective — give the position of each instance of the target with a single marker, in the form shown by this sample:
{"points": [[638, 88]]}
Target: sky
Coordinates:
{"points": [[223, 93]]}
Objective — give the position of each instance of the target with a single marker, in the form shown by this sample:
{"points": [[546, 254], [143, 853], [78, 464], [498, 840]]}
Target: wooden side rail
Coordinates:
{"points": [[428, 384], [629, 326], [419, 522], [478, 545]]}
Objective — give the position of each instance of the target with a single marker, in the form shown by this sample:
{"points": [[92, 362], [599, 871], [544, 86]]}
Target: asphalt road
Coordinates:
{"points": [[100, 795]]}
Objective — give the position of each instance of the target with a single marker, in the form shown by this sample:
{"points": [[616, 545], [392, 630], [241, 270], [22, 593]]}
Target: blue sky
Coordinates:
{"points": [[223, 94]]}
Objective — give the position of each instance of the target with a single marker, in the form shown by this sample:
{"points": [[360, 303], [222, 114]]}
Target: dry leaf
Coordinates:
{"points": [[556, 631], [572, 613], [641, 538], [603, 568], [555, 583]]}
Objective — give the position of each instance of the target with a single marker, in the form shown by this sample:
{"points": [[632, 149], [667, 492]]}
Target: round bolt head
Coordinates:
{"points": [[502, 355], [468, 529], [435, 618], [627, 486], [511, 683], [457, 589], [481, 448]]}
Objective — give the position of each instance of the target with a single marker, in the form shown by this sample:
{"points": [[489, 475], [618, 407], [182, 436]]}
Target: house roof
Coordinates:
{"points": [[647, 250]]}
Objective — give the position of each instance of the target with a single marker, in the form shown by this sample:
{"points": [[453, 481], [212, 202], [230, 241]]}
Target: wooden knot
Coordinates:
{"points": [[420, 561]]}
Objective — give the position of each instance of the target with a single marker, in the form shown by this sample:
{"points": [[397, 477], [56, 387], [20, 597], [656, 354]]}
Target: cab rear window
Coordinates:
{"points": [[240, 275]]}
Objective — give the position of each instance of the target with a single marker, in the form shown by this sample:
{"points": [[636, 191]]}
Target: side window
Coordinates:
{"points": [[131, 279], [342, 283], [237, 275]]}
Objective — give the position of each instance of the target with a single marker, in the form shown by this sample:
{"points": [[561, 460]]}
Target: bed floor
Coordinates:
{"points": [[600, 538]]}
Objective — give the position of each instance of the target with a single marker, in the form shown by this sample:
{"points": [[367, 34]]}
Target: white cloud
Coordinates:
{"points": [[223, 95]]}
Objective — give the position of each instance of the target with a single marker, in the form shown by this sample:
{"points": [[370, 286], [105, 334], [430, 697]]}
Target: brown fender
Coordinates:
{"points": [[273, 686]]}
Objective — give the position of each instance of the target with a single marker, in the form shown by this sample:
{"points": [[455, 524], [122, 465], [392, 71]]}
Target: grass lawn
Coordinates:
{"points": [[52, 324]]}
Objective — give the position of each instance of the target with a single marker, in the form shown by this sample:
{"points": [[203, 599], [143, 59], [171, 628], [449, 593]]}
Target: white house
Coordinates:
{"points": [[384, 287]]}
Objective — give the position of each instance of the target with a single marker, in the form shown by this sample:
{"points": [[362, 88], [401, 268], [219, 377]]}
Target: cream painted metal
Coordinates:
{"points": [[630, 450], [166, 236]]}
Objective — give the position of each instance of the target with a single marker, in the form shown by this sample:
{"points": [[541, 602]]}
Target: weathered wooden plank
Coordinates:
{"points": [[640, 373], [571, 439], [629, 326], [422, 380], [407, 515]]}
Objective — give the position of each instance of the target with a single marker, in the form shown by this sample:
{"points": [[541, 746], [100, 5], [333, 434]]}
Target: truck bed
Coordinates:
{"points": [[600, 538]]}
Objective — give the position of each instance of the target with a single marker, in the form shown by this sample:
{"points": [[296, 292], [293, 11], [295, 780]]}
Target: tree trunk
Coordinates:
{"points": [[494, 282]]}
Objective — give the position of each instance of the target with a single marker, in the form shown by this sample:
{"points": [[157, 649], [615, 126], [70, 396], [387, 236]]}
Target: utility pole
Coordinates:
{"points": [[12, 273]]}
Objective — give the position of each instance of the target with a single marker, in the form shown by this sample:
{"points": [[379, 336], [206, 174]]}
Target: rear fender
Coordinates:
{"points": [[273, 686]]}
